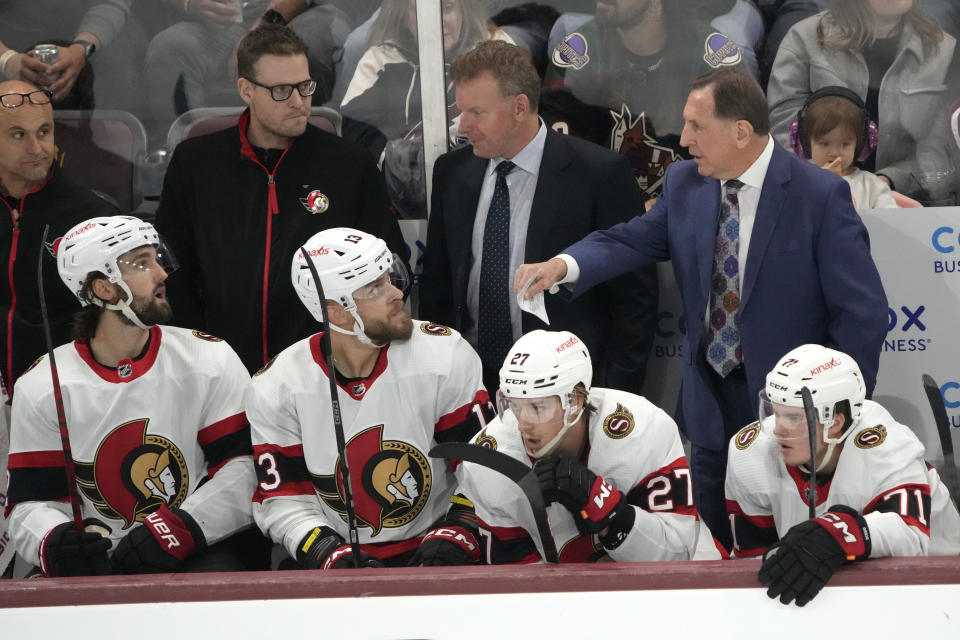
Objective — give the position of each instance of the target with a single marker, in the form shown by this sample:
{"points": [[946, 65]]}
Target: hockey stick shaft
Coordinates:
{"points": [[516, 471], [938, 407], [58, 394], [326, 350], [811, 414]]}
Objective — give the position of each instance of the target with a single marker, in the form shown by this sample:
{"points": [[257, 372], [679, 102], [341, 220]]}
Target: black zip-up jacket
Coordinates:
{"points": [[61, 204], [234, 226]]}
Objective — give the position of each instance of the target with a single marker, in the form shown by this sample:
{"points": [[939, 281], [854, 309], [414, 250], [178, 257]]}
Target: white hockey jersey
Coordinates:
{"points": [[881, 473], [635, 447], [422, 391], [167, 427]]}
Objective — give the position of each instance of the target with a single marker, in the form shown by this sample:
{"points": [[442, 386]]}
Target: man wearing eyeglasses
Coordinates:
{"points": [[33, 194], [237, 203]]}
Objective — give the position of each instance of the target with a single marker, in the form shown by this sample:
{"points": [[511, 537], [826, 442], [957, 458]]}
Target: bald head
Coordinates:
{"points": [[26, 138]]}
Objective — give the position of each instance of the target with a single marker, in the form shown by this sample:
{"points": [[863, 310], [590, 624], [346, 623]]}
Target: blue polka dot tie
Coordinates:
{"points": [[724, 351], [494, 329]]}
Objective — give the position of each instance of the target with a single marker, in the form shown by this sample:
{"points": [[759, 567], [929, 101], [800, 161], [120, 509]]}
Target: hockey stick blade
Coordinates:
{"points": [[512, 468], [811, 414], [939, 409]]}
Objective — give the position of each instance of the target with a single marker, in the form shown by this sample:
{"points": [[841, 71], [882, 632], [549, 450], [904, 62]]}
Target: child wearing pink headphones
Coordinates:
{"points": [[834, 130]]}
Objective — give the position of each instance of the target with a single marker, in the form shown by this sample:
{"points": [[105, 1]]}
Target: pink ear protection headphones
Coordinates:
{"points": [[869, 136]]}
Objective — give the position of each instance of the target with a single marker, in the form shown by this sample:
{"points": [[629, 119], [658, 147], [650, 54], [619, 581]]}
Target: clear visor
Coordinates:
{"points": [[787, 424], [530, 410], [397, 276], [146, 259]]}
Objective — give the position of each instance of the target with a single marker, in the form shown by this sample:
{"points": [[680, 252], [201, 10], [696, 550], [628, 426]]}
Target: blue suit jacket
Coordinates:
{"points": [[809, 275]]}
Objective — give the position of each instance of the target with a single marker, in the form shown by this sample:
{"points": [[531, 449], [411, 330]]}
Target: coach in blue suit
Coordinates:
{"points": [[806, 272]]}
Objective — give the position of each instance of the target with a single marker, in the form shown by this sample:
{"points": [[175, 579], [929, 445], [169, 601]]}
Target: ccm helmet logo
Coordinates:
{"points": [[566, 345], [826, 366], [514, 381], [778, 387]]}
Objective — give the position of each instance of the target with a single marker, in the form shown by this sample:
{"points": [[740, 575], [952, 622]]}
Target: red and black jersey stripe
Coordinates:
{"points": [[910, 501], [36, 476], [507, 545], [281, 471], [225, 439], [668, 489], [752, 535], [463, 423]]}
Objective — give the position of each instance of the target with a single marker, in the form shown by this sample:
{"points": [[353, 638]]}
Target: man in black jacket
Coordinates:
{"points": [[236, 204], [34, 194]]}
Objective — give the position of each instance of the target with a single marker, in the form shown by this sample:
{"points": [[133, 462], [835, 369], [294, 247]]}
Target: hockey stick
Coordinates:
{"points": [[811, 413], [512, 468], [935, 398], [58, 394], [326, 350]]}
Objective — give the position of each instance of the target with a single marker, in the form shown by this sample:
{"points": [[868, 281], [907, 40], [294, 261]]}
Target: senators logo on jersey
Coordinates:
{"points": [[133, 473], [435, 329], [391, 481], [618, 424]]}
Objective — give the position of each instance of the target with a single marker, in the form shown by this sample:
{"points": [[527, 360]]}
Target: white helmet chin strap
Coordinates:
{"points": [[123, 306], [568, 421], [831, 445], [358, 331]]}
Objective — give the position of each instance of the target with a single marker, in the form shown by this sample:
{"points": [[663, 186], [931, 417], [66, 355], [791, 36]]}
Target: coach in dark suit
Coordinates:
{"points": [[784, 261], [555, 190]]}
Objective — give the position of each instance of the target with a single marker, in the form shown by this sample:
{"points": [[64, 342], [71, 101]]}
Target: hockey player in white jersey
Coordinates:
{"points": [[403, 385], [160, 442], [610, 465], [875, 495]]}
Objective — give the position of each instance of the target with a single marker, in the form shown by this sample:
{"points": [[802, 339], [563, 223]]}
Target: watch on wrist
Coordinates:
{"points": [[88, 48], [272, 16]]}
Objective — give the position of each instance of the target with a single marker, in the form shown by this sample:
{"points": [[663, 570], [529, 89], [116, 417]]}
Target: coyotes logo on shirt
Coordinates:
{"points": [[133, 473], [391, 481]]}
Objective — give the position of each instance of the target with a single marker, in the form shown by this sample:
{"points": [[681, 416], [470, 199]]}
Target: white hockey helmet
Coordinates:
{"points": [[97, 245], [543, 364], [831, 376], [345, 260]]}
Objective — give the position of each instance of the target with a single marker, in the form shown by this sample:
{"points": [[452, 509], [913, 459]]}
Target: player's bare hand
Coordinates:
{"points": [[547, 273]]}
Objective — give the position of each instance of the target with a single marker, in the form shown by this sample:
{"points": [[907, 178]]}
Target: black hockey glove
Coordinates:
{"points": [[324, 548], [453, 539], [68, 552], [161, 545], [798, 566], [595, 504]]}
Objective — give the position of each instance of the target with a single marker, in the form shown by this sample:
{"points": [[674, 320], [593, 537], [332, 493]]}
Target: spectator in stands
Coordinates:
{"points": [[237, 203], [621, 81], [891, 54], [196, 54], [382, 102], [834, 130], [34, 193], [790, 12]]}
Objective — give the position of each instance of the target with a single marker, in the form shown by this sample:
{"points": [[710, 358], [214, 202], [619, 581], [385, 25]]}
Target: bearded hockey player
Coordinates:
{"points": [[403, 386], [610, 465], [875, 495], [160, 442]]}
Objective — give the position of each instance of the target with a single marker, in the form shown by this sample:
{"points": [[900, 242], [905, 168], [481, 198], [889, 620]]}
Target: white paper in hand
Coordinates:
{"points": [[534, 305]]}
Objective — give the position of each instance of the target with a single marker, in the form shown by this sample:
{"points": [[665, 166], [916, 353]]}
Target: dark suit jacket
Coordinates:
{"points": [[581, 187], [809, 275]]}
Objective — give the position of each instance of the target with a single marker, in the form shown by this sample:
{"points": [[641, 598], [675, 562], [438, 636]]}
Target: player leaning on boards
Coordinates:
{"points": [[161, 445], [884, 500], [404, 385], [610, 464]]}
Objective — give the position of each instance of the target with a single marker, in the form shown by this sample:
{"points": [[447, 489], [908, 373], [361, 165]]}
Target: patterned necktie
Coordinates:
{"points": [[494, 329], [724, 351]]}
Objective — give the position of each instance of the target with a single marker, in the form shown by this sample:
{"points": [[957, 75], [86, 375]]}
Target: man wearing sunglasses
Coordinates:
{"points": [[33, 193], [237, 203]]}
